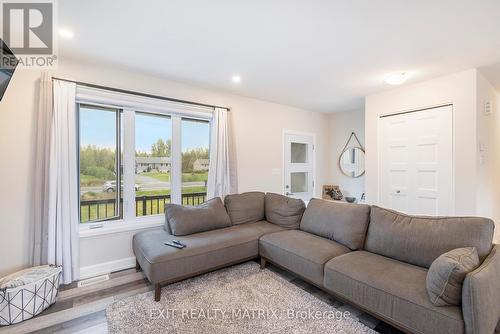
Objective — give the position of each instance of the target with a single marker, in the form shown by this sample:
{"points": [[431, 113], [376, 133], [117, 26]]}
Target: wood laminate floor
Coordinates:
{"points": [[83, 310]]}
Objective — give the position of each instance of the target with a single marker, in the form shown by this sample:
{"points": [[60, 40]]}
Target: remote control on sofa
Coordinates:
{"points": [[171, 244], [179, 243]]}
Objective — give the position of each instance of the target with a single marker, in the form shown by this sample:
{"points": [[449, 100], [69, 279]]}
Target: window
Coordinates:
{"points": [[134, 162], [195, 157], [100, 197], [153, 142]]}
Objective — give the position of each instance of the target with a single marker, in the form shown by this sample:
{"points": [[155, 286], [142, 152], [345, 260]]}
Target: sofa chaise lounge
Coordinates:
{"points": [[373, 258]]}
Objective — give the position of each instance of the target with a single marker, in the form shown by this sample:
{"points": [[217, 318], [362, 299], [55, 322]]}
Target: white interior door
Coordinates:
{"points": [[299, 166], [416, 162]]}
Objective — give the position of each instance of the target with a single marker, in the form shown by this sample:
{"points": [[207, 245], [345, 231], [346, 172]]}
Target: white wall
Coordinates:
{"points": [[458, 89], [16, 158], [488, 159], [258, 127], [341, 126], [487, 129]]}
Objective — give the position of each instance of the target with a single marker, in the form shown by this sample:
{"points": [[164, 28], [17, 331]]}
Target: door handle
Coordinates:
{"points": [[288, 194]]}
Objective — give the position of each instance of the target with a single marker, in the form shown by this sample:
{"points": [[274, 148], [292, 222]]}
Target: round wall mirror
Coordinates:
{"points": [[352, 162]]}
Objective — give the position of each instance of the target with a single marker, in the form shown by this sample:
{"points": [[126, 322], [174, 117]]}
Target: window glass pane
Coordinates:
{"points": [[153, 142], [195, 144], [98, 164], [298, 182], [299, 153]]}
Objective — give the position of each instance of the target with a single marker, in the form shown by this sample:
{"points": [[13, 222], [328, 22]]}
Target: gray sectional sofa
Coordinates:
{"points": [[370, 257]]}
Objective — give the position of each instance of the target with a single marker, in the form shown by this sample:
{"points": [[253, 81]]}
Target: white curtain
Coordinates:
{"points": [[41, 172], [62, 224], [222, 171]]}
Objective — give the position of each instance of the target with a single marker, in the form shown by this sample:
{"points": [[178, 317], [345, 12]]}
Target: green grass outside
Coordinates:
{"points": [[92, 181], [194, 177], [186, 177], [185, 190], [164, 177], [90, 195], [89, 180]]}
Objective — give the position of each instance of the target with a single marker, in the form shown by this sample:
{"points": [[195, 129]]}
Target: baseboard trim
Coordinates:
{"points": [[107, 267]]}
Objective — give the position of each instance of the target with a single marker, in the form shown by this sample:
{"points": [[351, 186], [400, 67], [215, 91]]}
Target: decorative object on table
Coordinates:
{"points": [[332, 192], [352, 158], [27, 293], [363, 198], [350, 199]]}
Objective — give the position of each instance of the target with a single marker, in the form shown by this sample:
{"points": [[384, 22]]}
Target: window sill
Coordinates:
{"points": [[121, 226]]}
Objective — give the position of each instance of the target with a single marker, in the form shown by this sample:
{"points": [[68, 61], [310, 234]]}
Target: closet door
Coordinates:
{"points": [[416, 162]]}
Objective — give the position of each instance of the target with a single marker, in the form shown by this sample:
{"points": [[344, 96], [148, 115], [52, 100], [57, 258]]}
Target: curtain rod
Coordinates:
{"points": [[119, 90]]}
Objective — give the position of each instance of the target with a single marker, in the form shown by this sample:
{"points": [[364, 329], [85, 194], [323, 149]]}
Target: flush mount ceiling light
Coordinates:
{"points": [[397, 78], [236, 79], [66, 33]]}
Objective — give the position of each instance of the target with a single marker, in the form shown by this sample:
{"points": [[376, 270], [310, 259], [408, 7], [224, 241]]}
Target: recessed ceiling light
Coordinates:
{"points": [[66, 33], [397, 78], [236, 79]]}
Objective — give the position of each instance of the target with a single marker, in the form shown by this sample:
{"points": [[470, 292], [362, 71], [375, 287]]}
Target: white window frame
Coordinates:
{"points": [[130, 105]]}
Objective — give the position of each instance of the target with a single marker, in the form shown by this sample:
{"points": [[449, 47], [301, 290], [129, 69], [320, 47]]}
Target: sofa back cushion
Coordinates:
{"points": [[185, 220], [342, 222], [284, 211], [420, 240], [246, 207]]}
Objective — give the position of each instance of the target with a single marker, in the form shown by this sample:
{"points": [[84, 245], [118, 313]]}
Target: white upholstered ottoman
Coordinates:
{"points": [[27, 293]]}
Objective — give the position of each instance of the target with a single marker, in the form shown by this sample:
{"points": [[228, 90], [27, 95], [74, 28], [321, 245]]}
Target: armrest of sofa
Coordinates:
{"points": [[481, 296]]}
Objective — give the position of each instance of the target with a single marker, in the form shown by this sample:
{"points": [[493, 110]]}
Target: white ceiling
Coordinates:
{"points": [[318, 55]]}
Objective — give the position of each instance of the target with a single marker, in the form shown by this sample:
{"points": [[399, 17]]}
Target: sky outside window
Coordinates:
{"points": [[95, 127]]}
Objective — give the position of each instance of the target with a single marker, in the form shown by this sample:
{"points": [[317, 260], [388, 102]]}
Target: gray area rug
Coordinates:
{"points": [[239, 299]]}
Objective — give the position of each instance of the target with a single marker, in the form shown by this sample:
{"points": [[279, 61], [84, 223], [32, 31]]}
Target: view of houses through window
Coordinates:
{"points": [[195, 158], [100, 133], [153, 147]]}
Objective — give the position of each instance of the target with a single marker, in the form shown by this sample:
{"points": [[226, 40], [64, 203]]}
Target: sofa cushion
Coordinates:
{"points": [[343, 222], [391, 289], [204, 251], [246, 207], [447, 273], [300, 252], [284, 211], [184, 220], [420, 240]]}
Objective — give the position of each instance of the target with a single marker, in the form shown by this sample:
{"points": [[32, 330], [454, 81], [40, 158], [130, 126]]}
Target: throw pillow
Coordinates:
{"points": [[185, 220], [447, 273]]}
